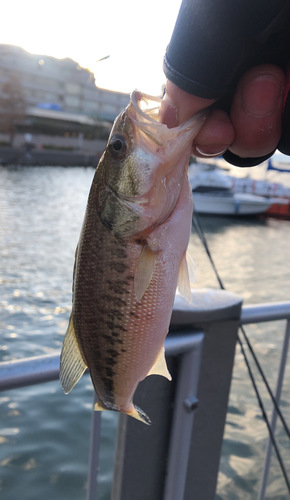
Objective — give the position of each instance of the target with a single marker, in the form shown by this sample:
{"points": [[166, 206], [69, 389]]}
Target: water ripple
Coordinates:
{"points": [[44, 440]]}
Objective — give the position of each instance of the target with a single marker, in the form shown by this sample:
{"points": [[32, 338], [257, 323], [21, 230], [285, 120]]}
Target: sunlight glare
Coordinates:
{"points": [[134, 34]]}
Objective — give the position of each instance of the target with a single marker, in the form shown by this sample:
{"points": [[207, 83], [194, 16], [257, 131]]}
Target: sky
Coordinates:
{"points": [[133, 33]]}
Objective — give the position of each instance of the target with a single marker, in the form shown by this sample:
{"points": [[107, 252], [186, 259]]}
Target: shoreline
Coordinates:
{"points": [[51, 157]]}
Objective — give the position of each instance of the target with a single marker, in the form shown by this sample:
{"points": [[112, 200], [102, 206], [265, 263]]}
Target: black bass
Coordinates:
{"points": [[130, 257]]}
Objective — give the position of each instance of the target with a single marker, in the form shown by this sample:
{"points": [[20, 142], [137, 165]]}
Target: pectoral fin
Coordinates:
{"points": [[186, 275], [160, 366], [144, 271], [72, 364]]}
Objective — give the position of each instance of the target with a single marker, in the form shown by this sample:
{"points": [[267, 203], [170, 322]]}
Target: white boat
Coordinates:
{"points": [[262, 187], [213, 194]]}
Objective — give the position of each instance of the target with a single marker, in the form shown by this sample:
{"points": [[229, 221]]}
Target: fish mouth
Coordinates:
{"points": [[143, 110], [146, 106]]}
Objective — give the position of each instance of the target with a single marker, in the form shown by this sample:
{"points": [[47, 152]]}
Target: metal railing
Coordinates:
{"points": [[257, 314], [36, 370], [188, 345]]}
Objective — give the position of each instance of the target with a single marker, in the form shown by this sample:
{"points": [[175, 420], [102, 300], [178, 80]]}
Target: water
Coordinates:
{"points": [[44, 435], [253, 260]]}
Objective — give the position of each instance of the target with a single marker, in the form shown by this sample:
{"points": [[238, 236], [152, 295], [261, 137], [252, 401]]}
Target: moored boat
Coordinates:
{"points": [[213, 194], [278, 192]]}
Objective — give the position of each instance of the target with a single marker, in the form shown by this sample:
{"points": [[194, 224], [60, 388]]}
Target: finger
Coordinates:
{"points": [[257, 110], [178, 106], [215, 136]]}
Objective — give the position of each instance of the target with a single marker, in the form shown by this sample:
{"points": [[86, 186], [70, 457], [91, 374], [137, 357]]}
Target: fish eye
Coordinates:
{"points": [[118, 145]]}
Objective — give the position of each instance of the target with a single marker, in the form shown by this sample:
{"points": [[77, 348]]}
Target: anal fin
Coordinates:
{"points": [[72, 364], [160, 366], [144, 271]]}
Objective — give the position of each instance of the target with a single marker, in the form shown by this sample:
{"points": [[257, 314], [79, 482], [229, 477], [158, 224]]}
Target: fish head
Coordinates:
{"points": [[141, 171], [129, 161]]}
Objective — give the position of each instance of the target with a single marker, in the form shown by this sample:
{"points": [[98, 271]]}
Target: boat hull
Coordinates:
{"points": [[238, 204], [279, 211]]}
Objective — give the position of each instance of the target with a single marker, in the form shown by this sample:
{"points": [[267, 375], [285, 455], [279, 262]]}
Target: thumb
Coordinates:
{"points": [[178, 106]]}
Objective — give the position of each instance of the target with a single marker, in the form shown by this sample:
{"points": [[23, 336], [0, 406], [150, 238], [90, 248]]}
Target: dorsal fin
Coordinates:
{"points": [[72, 364], [144, 271]]}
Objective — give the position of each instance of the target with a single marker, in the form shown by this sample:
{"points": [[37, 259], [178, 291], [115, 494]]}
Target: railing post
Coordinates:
{"points": [[94, 452], [141, 451], [142, 456], [280, 379], [185, 405]]}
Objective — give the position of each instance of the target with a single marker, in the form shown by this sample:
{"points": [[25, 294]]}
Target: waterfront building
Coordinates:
{"points": [[58, 85]]}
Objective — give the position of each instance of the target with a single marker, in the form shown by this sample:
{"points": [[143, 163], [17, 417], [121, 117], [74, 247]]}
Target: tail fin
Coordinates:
{"points": [[134, 412], [99, 407], [139, 414]]}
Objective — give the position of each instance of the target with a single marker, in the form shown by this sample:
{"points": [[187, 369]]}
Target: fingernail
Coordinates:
{"points": [[168, 113], [260, 97], [211, 150]]}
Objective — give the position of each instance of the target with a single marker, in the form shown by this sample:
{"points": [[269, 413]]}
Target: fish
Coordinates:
{"points": [[131, 256]]}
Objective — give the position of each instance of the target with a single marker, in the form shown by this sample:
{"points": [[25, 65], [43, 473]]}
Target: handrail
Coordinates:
{"points": [[35, 370], [29, 371], [39, 369], [259, 313]]}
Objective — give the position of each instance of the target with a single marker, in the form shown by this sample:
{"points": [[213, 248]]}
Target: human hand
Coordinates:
{"points": [[254, 126]]}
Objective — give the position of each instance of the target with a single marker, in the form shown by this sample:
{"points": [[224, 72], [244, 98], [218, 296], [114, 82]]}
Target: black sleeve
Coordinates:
{"points": [[215, 41]]}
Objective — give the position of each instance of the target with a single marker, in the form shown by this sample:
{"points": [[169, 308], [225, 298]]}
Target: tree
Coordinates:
{"points": [[12, 106]]}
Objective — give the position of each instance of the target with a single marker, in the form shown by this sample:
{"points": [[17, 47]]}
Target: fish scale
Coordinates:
{"points": [[107, 316]]}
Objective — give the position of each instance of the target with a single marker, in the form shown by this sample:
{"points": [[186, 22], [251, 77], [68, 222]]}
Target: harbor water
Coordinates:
{"points": [[44, 435]]}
